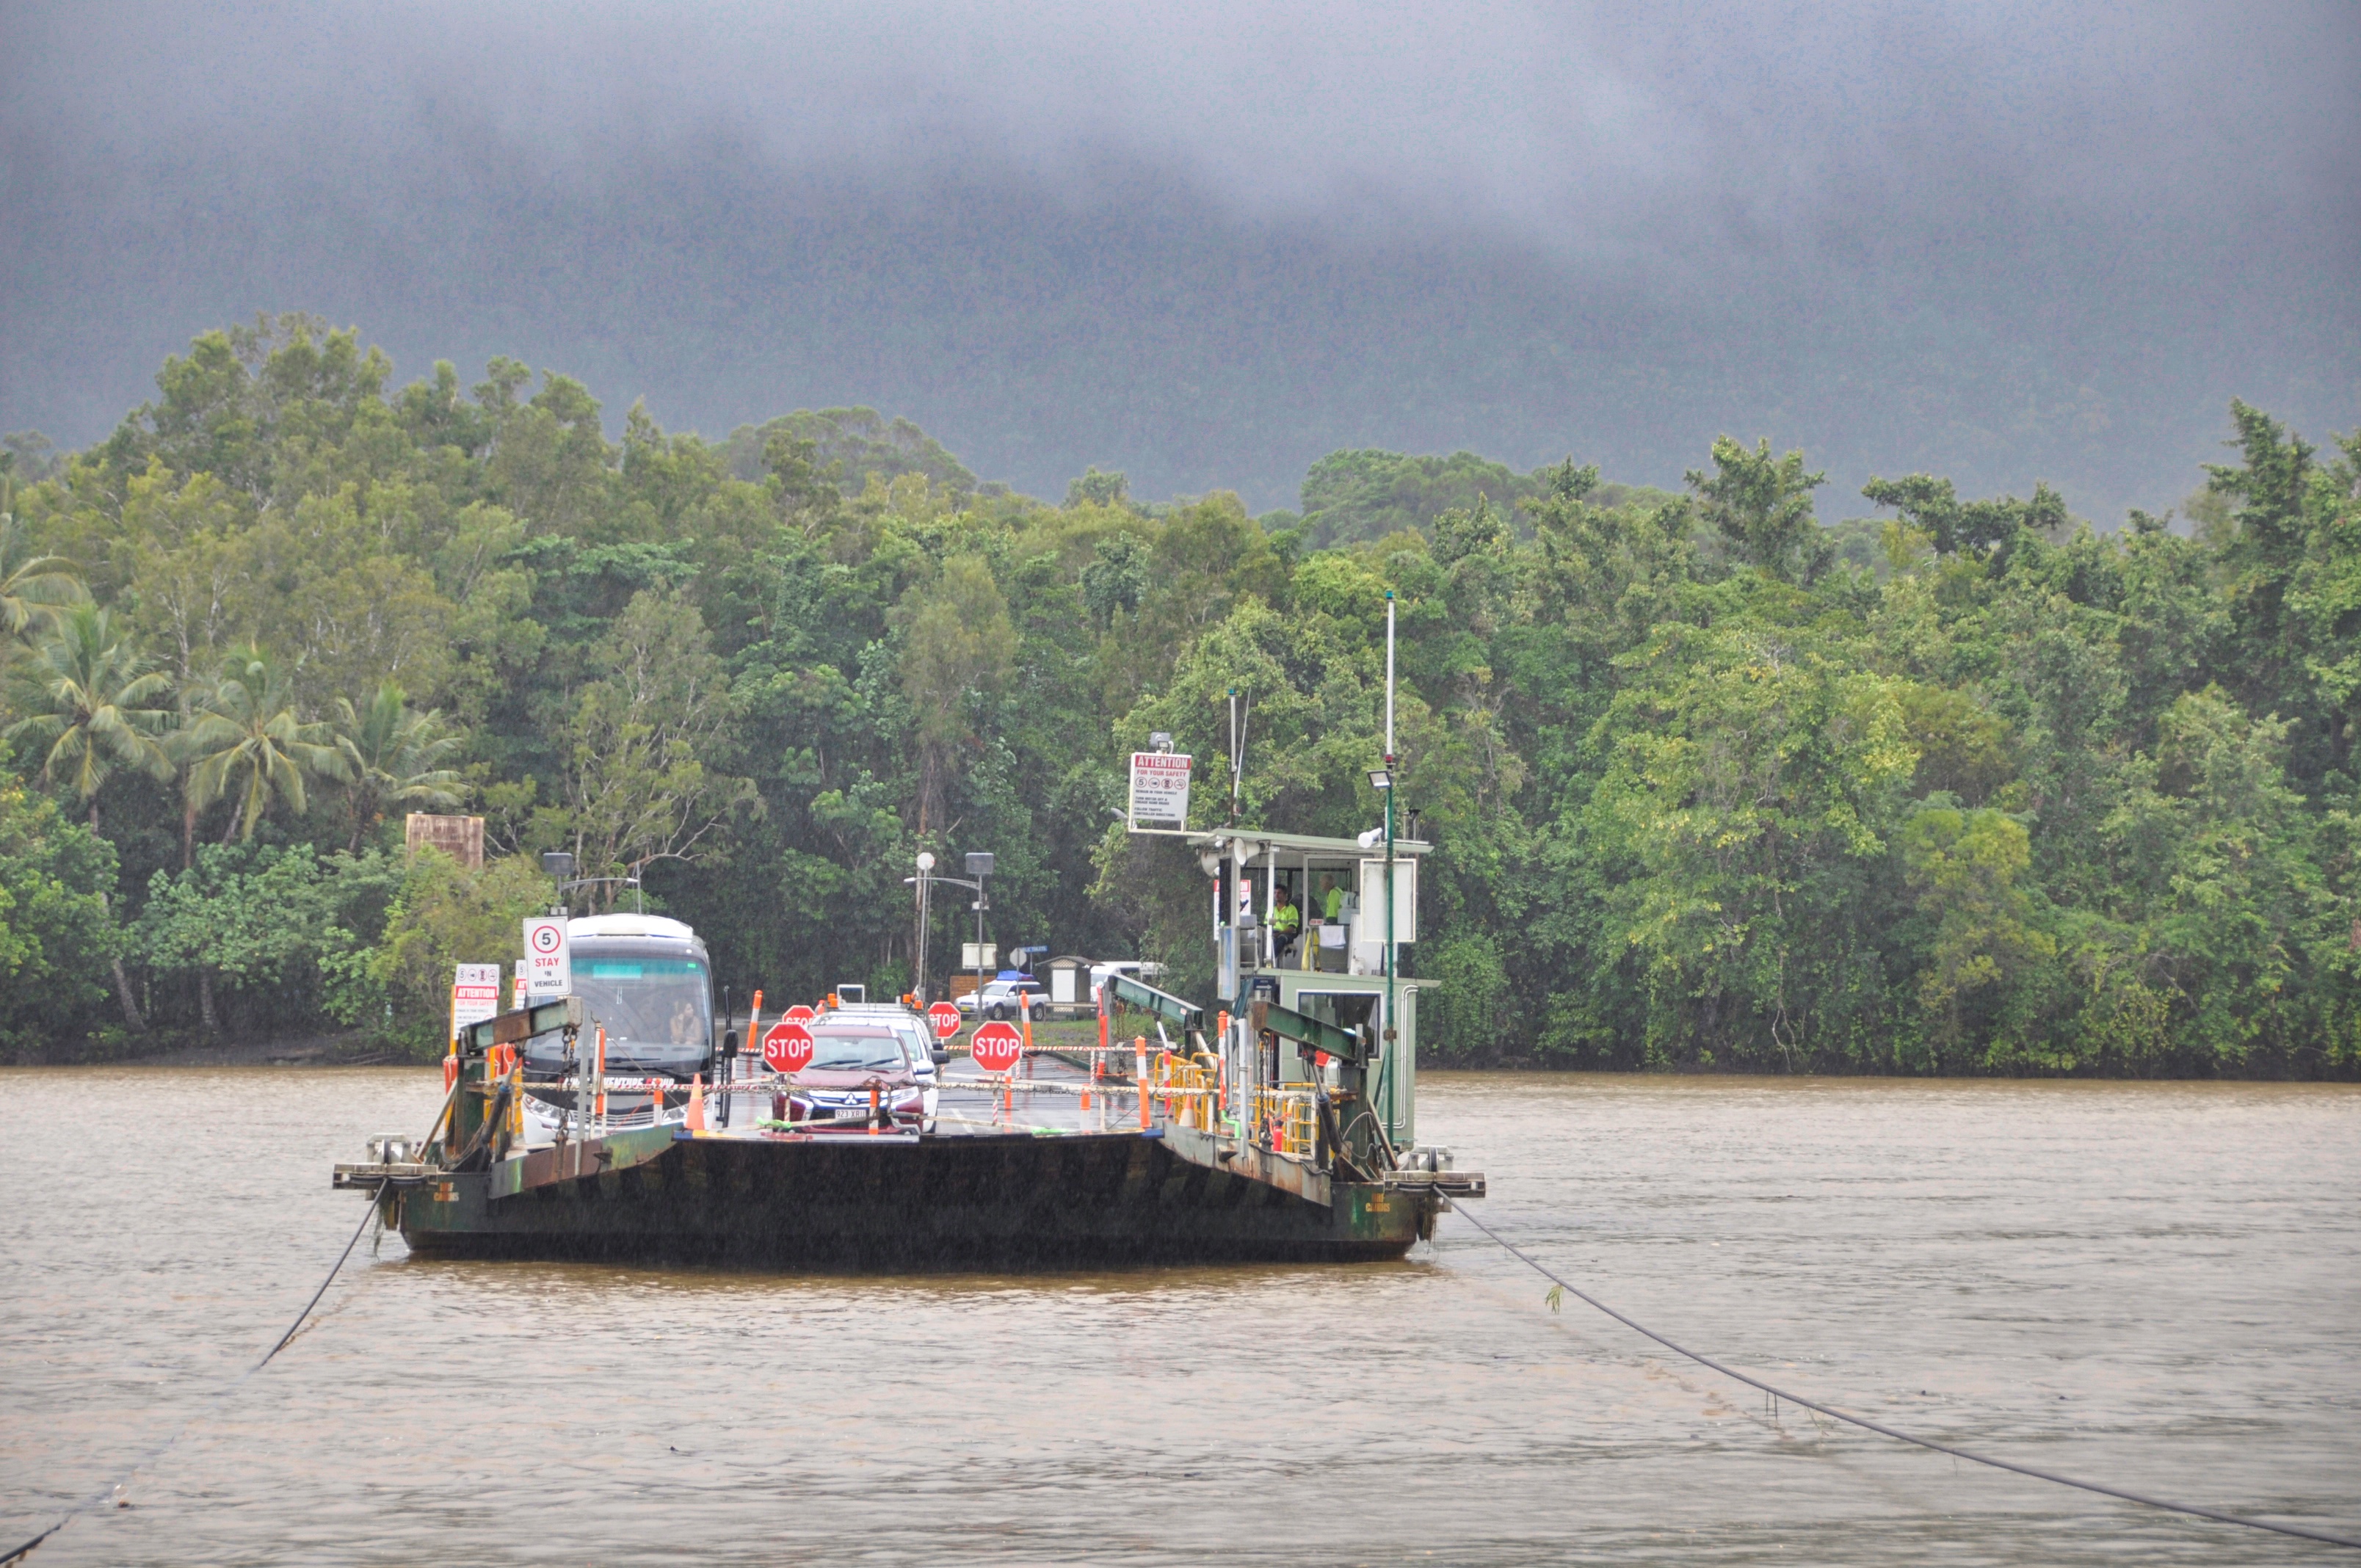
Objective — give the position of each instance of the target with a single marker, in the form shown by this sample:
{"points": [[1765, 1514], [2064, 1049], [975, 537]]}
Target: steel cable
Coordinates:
{"points": [[1776, 1392], [157, 1452]]}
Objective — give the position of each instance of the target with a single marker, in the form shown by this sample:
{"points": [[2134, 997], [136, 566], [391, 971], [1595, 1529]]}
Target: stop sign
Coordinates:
{"points": [[945, 1018], [799, 1014], [787, 1047], [997, 1048]]}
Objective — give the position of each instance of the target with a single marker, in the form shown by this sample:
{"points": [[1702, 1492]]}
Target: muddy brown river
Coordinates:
{"points": [[2154, 1284]]}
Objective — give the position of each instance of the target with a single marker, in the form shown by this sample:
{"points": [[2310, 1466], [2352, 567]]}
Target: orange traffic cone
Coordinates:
{"points": [[696, 1121]]}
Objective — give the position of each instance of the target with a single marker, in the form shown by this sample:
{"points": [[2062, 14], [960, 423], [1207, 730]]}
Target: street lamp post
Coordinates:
{"points": [[925, 864], [979, 863]]}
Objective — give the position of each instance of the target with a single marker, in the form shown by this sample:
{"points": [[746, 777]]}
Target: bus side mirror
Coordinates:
{"points": [[729, 1043]]}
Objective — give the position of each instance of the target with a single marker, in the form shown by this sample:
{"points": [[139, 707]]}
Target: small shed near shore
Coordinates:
{"points": [[1070, 980]]}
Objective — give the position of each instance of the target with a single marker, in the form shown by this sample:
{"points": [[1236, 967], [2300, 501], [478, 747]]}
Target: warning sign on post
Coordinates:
{"points": [[1160, 790], [475, 994], [548, 958]]}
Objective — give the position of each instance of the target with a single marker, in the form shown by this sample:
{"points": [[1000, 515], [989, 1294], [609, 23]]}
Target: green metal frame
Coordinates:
{"points": [[1320, 1035], [1163, 1003], [508, 1028]]}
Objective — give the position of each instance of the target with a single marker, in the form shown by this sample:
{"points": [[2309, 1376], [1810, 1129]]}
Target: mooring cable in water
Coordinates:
{"points": [[1776, 1392], [182, 1431]]}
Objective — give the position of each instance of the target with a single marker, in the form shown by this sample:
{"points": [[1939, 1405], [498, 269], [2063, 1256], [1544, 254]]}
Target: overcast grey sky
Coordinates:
{"points": [[1206, 244]]}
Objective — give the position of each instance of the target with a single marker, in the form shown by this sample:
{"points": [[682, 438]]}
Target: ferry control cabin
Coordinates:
{"points": [[1329, 964]]}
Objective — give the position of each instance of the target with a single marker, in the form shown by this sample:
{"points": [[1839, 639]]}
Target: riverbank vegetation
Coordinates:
{"points": [[1946, 784]]}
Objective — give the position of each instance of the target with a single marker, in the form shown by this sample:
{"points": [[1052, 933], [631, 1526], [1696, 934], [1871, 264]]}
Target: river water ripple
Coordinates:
{"points": [[2154, 1284]]}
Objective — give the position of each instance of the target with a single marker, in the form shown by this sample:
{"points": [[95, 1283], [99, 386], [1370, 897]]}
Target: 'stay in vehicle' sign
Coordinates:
{"points": [[548, 957]]}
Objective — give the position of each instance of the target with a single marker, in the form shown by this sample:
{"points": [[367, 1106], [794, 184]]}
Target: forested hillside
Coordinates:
{"points": [[1970, 787]]}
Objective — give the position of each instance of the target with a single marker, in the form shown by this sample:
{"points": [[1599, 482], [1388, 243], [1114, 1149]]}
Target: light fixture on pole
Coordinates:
{"points": [[1381, 778], [979, 866]]}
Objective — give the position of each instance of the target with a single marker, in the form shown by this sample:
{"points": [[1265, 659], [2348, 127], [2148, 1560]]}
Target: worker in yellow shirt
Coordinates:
{"points": [[1286, 925]]}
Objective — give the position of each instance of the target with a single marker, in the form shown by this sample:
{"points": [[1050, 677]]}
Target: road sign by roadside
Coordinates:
{"points": [[799, 1014], [548, 957], [945, 1017], [787, 1047], [997, 1048]]}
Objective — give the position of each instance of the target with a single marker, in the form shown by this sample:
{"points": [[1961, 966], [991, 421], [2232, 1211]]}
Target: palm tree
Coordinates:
{"points": [[88, 699], [32, 587], [245, 739], [395, 755]]}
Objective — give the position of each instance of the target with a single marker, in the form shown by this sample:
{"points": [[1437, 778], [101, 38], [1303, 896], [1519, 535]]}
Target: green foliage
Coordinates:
{"points": [[33, 586], [849, 444], [1350, 497], [639, 788], [247, 744], [1961, 869], [1762, 505], [441, 915], [89, 702], [1095, 489], [56, 935], [1961, 786], [394, 757], [271, 926]]}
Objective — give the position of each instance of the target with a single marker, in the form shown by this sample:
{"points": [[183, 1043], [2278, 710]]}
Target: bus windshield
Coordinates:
{"points": [[650, 1006]]}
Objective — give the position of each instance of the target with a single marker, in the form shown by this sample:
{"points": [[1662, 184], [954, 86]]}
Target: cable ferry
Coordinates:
{"points": [[1280, 1124]]}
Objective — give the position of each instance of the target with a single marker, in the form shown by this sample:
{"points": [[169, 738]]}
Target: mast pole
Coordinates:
{"points": [[1234, 756], [1393, 1032]]}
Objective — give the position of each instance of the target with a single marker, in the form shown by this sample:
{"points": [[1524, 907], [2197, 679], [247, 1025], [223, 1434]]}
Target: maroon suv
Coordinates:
{"points": [[860, 1078]]}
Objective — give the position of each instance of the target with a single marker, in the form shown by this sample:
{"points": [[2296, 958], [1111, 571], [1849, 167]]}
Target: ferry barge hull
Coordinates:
{"points": [[662, 1194]]}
